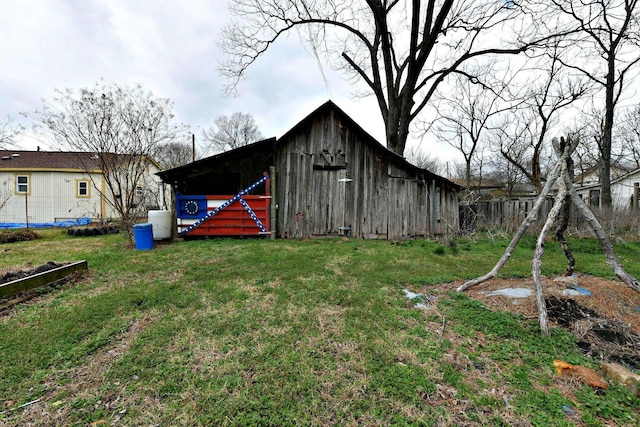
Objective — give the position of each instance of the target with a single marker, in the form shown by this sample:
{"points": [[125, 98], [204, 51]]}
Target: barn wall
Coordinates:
{"points": [[446, 217], [368, 192], [331, 181]]}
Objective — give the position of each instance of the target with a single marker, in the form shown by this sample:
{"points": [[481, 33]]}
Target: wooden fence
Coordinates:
{"points": [[509, 214]]}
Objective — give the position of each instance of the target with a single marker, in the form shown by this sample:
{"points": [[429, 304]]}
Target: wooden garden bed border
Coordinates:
{"points": [[40, 279]]}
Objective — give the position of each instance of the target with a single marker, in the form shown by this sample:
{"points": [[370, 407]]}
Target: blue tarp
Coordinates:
{"points": [[66, 224]]}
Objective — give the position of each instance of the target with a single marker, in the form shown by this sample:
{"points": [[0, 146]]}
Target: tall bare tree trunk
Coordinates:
{"points": [[605, 149]]}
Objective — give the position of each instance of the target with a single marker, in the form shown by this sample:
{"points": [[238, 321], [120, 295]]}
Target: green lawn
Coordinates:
{"points": [[316, 332]]}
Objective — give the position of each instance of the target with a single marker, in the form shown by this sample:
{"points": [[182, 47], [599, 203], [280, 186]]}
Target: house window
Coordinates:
{"points": [[22, 184], [82, 188]]}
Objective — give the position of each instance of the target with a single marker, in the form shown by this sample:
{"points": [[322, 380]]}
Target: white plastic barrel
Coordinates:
{"points": [[161, 224]]}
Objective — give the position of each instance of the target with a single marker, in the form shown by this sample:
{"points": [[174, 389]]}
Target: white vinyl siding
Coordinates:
{"points": [[59, 195], [54, 196]]}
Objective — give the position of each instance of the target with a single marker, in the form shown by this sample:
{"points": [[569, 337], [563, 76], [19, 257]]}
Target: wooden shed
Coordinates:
{"points": [[331, 178]]}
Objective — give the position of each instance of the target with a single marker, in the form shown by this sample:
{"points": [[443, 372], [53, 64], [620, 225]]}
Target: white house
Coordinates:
{"points": [[42, 187], [622, 189]]}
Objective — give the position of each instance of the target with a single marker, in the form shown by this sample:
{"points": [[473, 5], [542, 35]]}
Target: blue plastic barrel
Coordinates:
{"points": [[143, 235]]}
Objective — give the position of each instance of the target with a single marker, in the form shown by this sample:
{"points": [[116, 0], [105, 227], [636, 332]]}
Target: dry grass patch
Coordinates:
{"points": [[336, 264], [86, 382]]}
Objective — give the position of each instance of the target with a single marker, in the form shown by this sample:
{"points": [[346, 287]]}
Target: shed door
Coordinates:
{"points": [[328, 202]]}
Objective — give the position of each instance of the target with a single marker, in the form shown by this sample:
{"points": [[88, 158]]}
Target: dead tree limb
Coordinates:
{"points": [[536, 264], [563, 223], [603, 238], [563, 219], [533, 214], [566, 192]]}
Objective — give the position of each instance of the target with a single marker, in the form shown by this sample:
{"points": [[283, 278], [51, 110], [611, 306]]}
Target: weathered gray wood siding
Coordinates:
{"points": [[332, 180], [509, 214]]}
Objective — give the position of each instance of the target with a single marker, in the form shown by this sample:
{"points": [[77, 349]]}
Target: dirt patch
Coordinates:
{"points": [[606, 322], [10, 275], [17, 236]]}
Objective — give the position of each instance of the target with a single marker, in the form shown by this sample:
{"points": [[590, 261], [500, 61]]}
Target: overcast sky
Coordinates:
{"points": [[170, 48]]}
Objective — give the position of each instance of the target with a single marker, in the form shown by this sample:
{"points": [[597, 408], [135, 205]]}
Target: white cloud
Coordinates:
{"points": [[168, 47]]}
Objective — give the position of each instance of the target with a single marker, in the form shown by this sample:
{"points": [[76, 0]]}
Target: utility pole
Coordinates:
{"points": [[193, 147]]}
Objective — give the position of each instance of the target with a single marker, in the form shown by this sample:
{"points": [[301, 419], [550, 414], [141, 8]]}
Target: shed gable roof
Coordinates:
{"points": [[325, 108], [202, 164]]}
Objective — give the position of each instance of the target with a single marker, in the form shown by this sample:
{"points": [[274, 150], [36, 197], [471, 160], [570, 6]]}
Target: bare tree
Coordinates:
{"points": [[173, 154], [586, 153], [607, 39], [424, 160], [6, 192], [630, 135], [229, 133], [466, 113], [401, 50], [589, 133], [8, 133], [521, 140], [459, 170], [123, 126], [504, 172]]}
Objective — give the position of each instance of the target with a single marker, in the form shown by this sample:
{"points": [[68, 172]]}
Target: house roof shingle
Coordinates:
{"points": [[46, 160]]}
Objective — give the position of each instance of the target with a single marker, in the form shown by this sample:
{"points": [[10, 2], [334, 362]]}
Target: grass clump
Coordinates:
{"points": [[440, 251]]}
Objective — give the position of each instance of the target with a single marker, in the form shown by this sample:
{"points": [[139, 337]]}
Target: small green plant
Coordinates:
{"points": [[440, 251]]}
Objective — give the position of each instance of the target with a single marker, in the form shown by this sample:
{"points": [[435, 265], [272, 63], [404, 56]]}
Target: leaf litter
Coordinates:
{"points": [[606, 322]]}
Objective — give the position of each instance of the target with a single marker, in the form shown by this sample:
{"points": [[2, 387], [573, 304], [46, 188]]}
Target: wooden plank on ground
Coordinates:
{"points": [[35, 281]]}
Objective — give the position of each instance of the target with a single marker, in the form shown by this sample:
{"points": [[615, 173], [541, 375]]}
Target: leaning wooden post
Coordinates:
{"points": [[564, 216], [553, 176], [536, 264], [274, 203], [603, 238], [560, 170]]}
